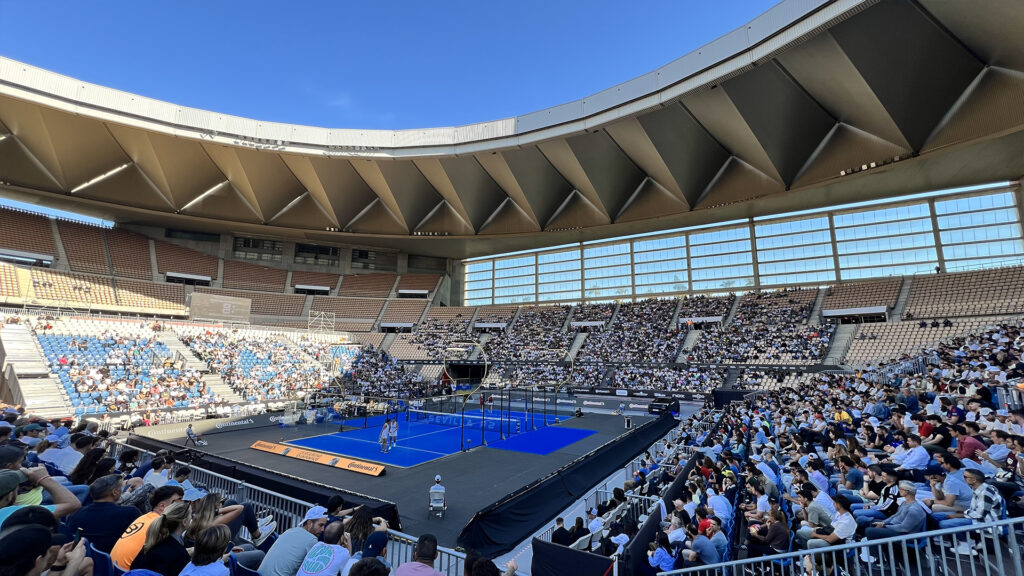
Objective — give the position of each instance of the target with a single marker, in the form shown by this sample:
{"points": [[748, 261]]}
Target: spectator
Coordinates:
{"points": [[769, 538], [286, 555], [909, 518], [660, 555], [164, 551], [64, 502], [375, 547], [133, 539], [560, 534], [103, 521], [208, 554], [423, 558], [328, 558]]}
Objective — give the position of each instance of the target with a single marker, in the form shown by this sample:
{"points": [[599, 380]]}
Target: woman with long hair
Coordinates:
{"points": [[128, 461], [207, 512], [208, 554], [660, 555], [164, 551], [86, 466], [771, 537]]}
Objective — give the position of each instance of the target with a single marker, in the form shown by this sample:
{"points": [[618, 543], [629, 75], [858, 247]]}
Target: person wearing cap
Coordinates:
{"points": [[328, 558], [35, 549], [64, 502], [423, 557], [843, 527], [909, 518], [594, 523], [286, 555], [103, 521], [375, 547], [30, 434], [133, 538]]}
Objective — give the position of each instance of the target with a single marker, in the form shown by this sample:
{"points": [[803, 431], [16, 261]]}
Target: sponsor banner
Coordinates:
{"points": [[208, 426], [621, 393], [331, 460]]}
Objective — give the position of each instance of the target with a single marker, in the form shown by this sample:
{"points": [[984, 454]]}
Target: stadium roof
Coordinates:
{"points": [[811, 104]]}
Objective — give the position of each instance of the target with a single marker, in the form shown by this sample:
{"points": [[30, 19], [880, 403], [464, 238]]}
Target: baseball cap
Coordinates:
{"points": [[437, 478], [33, 427], [53, 438], [933, 469], [375, 543], [1002, 412], [592, 512], [27, 541], [9, 480], [316, 513], [10, 454], [193, 494]]}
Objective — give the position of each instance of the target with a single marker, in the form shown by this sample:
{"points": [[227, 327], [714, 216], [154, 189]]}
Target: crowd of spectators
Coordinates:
{"points": [[258, 367], [379, 375], [672, 379], [593, 313], [537, 335], [582, 375], [701, 306], [768, 327], [436, 336], [639, 333]]}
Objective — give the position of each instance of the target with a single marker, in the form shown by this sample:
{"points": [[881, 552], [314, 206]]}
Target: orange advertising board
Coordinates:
{"points": [[320, 458]]}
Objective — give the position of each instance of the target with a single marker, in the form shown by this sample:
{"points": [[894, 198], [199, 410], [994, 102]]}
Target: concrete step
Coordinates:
{"points": [[577, 343], [217, 385]]}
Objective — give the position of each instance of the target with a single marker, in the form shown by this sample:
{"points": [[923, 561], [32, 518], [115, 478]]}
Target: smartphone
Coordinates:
{"points": [[230, 546], [78, 538]]}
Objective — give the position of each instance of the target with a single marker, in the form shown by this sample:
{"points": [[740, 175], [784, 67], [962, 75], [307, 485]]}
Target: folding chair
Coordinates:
{"points": [[239, 570], [437, 504]]}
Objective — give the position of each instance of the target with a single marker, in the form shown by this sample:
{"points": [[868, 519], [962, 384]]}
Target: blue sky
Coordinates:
{"points": [[383, 64]]}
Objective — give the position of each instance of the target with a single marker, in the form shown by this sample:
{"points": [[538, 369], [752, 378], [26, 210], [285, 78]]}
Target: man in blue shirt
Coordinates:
{"points": [[909, 518], [702, 550], [103, 521], [951, 493]]}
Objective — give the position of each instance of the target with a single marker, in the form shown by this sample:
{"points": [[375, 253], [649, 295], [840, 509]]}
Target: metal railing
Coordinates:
{"points": [[916, 554], [289, 512]]}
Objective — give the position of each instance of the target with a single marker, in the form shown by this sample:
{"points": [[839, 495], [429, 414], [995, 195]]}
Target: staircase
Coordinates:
{"points": [[216, 384], [815, 316], [688, 344], [568, 319], [515, 317], [484, 338], [674, 324], [307, 306], [901, 301], [731, 376], [615, 314], [842, 338], [192, 362], [577, 343], [389, 339], [732, 311], [28, 374]]}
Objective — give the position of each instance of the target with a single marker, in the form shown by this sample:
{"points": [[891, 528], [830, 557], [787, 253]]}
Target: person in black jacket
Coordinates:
{"points": [[103, 521], [561, 535]]}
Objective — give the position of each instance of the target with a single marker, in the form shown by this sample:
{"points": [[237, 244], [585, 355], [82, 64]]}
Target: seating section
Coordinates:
{"points": [[353, 326], [71, 289], [404, 310], [982, 292], [443, 327], [373, 339], [349, 308], [26, 232], [138, 294], [593, 313], [258, 365], [405, 347], [117, 366], [367, 285], [315, 279], [888, 341], [848, 295], [639, 333], [246, 276], [264, 303], [84, 246], [129, 254], [174, 258], [9, 280], [496, 314], [705, 306], [417, 282]]}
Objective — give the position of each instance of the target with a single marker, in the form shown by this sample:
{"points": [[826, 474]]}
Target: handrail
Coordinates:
{"points": [[893, 552]]}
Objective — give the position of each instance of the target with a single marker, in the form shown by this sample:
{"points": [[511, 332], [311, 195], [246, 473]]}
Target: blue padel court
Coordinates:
{"points": [[425, 436]]}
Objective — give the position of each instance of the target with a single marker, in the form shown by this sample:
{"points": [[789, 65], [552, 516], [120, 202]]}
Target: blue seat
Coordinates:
{"points": [[102, 565], [239, 570]]}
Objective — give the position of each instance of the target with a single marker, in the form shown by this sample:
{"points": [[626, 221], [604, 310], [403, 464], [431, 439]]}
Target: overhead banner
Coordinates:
{"points": [[631, 393], [331, 460], [176, 430]]}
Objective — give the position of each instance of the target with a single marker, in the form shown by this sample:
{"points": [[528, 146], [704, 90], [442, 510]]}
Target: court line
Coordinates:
{"points": [[341, 435]]}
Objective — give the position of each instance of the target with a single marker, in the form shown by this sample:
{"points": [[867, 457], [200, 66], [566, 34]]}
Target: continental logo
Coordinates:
{"points": [[564, 401], [331, 460], [236, 423], [591, 403]]}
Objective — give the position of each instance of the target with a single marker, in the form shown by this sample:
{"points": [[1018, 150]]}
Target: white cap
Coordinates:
{"points": [[315, 513], [593, 512], [437, 478], [1002, 412]]}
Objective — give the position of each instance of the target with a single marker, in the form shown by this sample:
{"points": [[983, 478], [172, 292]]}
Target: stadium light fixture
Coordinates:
{"points": [[200, 198], [101, 177]]}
